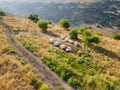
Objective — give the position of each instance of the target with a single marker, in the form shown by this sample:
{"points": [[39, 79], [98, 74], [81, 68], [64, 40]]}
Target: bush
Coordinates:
{"points": [[73, 34], [98, 33], [82, 29], [36, 83], [2, 13], [27, 67], [74, 82], [64, 23], [116, 36], [30, 47], [44, 87], [43, 25], [33, 17], [89, 37]]}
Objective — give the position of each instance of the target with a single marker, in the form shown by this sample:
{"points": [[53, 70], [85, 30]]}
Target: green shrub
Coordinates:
{"points": [[73, 81], [27, 67], [36, 83], [116, 36], [82, 29], [64, 23], [2, 13], [89, 37], [73, 34], [43, 25], [80, 53], [33, 17], [30, 47], [44, 87], [98, 33]]}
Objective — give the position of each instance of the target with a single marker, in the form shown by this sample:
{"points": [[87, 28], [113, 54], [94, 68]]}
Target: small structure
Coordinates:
{"points": [[62, 37], [69, 49], [70, 41], [56, 43], [66, 39], [51, 40], [62, 47], [76, 44]]}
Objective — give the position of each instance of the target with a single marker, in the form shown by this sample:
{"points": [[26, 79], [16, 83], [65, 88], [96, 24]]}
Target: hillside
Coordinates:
{"points": [[97, 68], [106, 13]]}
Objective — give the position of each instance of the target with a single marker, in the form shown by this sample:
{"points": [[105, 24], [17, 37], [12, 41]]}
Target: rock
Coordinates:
{"points": [[14, 66]]}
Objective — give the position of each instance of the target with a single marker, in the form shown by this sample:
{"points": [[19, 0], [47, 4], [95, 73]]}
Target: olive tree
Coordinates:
{"points": [[64, 23], [43, 25], [33, 17]]}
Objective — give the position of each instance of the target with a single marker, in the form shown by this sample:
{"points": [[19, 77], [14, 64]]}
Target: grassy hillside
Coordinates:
{"points": [[93, 68], [15, 74]]}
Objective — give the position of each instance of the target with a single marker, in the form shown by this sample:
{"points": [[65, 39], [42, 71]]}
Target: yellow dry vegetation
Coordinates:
{"points": [[13, 75]]}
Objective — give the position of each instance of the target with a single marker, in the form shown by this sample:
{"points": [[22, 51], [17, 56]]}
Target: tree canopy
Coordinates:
{"points": [[64, 23], [33, 17], [43, 25]]}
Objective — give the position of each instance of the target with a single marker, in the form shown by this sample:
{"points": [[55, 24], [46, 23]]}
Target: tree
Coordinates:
{"points": [[73, 34], [43, 25], [2, 13], [33, 17], [89, 37], [64, 23]]}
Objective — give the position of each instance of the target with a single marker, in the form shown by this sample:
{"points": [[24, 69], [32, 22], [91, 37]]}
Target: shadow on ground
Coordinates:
{"points": [[106, 52]]}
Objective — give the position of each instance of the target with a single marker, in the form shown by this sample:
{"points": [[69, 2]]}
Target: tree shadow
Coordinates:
{"points": [[106, 52], [49, 33]]}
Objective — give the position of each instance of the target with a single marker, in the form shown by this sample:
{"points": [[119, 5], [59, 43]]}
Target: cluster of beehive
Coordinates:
{"points": [[62, 46]]}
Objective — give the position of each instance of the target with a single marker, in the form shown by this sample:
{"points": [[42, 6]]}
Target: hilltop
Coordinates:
{"points": [[94, 67]]}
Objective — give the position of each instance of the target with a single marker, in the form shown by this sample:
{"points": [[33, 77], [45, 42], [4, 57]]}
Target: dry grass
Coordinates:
{"points": [[11, 78], [108, 54], [105, 31]]}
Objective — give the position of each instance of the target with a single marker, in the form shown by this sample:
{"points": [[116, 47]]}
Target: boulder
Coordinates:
{"points": [[14, 66]]}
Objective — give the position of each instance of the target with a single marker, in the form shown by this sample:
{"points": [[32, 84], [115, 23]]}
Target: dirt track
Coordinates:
{"points": [[45, 74]]}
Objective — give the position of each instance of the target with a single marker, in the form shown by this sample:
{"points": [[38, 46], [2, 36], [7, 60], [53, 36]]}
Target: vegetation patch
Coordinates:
{"points": [[76, 71], [116, 36]]}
